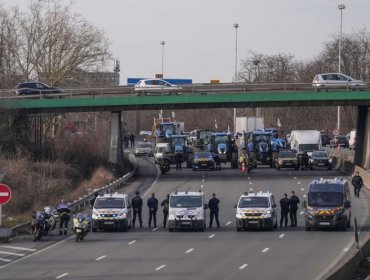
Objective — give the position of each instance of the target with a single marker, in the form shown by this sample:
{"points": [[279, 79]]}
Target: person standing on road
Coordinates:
{"points": [[357, 184], [294, 201], [132, 140], [213, 208], [65, 214], [178, 161], [284, 205], [137, 206], [153, 207], [165, 204]]}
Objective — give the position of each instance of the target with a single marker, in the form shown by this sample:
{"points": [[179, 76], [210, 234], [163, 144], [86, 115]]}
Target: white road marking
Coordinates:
{"points": [[302, 212], [4, 194], [160, 267], [243, 266], [295, 178], [228, 223], [250, 183], [155, 229], [281, 235], [203, 181], [249, 178], [5, 260], [19, 248], [299, 183], [251, 189], [304, 195], [211, 236], [189, 251], [100, 258], [61, 276], [132, 242], [302, 189], [12, 254], [201, 186], [265, 250], [345, 249]]}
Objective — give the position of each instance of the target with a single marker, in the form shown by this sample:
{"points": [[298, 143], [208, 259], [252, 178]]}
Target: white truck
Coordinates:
{"points": [[305, 140], [249, 124]]}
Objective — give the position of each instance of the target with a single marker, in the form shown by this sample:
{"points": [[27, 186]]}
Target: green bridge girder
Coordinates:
{"points": [[195, 101]]}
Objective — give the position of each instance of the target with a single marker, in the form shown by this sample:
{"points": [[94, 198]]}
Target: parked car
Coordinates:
{"points": [[337, 81], [287, 159], [325, 139], [156, 87], [320, 159], [144, 149], [339, 140], [30, 88]]}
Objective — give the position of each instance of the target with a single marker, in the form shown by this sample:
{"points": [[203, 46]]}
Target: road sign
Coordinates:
{"points": [[5, 194], [335, 131]]}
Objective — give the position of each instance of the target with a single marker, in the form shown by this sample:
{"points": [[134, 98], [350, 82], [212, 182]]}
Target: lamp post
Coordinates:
{"points": [[341, 7], [162, 43], [257, 70], [236, 26]]}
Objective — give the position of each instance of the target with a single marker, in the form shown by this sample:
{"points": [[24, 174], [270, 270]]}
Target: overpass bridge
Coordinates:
{"points": [[215, 96]]}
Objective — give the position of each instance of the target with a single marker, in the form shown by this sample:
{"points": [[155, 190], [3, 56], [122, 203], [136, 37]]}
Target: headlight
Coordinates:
{"points": [[330, 160], [267, 214], [95, 214], [311, 160], [122, 215]]}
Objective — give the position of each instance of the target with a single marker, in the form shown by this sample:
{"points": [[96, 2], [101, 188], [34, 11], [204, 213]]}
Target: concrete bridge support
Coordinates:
{"points": [[362, 156], [115, 147]]}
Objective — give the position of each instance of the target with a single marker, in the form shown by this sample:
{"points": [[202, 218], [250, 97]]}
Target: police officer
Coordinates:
{"points": [[153, 207], [213, 207], [294, 200], [357, 184], [137, 206], [178, 160], [284, 205], [92, 201], [165, 204], [65, 214]]}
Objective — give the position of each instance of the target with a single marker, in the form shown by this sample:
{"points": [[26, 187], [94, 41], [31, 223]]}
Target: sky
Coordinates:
{"points": [[199, 35]]}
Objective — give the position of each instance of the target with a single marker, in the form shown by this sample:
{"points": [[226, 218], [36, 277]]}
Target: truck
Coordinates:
{"points": [[305, 141], [223, 144], [249, 124]]}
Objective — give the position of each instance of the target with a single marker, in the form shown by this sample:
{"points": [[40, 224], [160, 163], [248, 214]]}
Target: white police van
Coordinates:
{"points": [[187, 211], [111, 211], [256, 211]]}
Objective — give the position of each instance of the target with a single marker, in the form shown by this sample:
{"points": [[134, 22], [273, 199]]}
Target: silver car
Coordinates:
{"points": [[337, 81], [144, 149], [156, 87]]}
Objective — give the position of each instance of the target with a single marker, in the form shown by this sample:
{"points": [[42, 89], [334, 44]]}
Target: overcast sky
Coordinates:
{"points": [[199, 34]]}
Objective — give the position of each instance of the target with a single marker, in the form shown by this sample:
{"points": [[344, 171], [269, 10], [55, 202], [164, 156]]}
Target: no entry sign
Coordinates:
{"points": [[5, 194]]}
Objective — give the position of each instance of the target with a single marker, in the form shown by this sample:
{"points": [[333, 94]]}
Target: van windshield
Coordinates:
{"points": [[186, 201], [255, 202], [325, 199], [109, 202]]}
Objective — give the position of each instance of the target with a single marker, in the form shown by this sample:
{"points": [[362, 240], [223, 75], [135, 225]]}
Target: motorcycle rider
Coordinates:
{"points": [[357, 184], [137, 206], [284, 205], [294, 200], [165, 204], [152, 204], [65, 214], [213, 207]]}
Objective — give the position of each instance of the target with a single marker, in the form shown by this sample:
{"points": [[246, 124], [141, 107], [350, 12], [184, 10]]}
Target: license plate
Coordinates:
{"points": [[252, 222], [108, 223], [288, 163], [321, 163], [325, 223], [204, 164], [186, 222]]}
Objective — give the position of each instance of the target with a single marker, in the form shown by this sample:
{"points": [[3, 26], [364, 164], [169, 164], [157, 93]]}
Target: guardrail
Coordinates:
{"points": [[80, 203]]}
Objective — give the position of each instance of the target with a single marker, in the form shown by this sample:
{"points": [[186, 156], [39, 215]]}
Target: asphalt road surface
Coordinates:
{"points": [[224, 253]]}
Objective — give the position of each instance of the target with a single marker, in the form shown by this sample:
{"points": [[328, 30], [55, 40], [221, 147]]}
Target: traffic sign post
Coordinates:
{"points": [[5, 195]]}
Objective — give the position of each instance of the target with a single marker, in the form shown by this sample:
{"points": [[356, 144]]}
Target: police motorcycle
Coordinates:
{"points": [[164, 165], [50, 215], [81, 226], [38, 225]]}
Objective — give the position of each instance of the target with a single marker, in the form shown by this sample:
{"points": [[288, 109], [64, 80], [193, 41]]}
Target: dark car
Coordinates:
{"points": [[203, 160], [287, 159], [325, 139], [340, 140], [35, 88], [320, 159]]}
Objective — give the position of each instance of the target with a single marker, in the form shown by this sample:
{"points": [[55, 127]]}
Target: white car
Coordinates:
{"points": [[337, 81], [156, 87], [144, 149]]}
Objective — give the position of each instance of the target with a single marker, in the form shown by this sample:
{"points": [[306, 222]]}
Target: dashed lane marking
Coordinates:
{"points": [[155, 229], [345, 249], [19, 248], [160, 267], [302, 212], [211, 236], [203, 181], [100, 258], [250, 183], [281, 235], [295, 178], [189, 251], [228, 223], [12, 254], [251, 189], [61, 276], [249, 178], [202, 186], [243, 266], [302, 189], [298, 183], [265, 250], [5, 260], [132, 242], [304, 195]]}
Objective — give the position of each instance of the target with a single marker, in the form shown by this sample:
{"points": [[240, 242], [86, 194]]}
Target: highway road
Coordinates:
{"points": [[224, 253]]}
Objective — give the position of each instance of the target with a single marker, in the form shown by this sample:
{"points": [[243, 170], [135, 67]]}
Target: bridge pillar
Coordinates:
{"points": [[115, 147], [362, 155]]}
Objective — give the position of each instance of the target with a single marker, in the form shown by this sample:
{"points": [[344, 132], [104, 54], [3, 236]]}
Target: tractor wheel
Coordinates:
{"points": [[234, 160]]}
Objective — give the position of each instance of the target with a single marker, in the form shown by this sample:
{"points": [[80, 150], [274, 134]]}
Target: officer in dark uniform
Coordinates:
{"points": [[357, 184], [178, 158], [165, 204], [137, 206], [153, 207], [213, 207], [284, 205], [294, 200], [65, 214]]}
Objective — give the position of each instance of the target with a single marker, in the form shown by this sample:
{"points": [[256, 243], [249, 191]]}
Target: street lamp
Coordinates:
{"points": [[341, 7], [162, 43], [236, 26]]}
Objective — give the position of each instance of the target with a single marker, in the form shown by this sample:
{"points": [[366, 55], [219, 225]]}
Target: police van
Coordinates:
{"points": [[256, 210], [328, 204], [187, 211], [111, 211]]}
